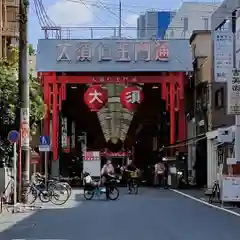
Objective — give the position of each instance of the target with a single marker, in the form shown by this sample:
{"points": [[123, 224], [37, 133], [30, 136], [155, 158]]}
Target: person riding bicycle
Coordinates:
{"points": [[131, 168], [106, 174]]}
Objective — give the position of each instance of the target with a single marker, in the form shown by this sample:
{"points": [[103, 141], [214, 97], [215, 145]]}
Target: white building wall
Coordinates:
{"points": [[198, 17]]}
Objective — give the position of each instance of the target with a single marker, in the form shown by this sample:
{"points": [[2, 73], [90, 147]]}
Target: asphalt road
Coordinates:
{"points": [[153, 214]]}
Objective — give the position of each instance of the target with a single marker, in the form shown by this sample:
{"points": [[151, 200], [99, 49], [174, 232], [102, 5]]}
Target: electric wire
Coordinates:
{"points": [[186, 143], [86, 6], [110, 11], [43, 18]]}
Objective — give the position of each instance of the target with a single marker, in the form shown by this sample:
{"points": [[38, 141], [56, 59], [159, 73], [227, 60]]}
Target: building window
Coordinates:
{"points": [[11, 14], [219, 98], [205, 23]]}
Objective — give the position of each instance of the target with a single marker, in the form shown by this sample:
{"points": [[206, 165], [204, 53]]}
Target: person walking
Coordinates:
{"points": [[159, 172]]}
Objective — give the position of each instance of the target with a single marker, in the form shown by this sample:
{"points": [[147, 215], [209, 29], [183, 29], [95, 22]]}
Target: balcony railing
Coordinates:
{"points": [[111, 33], [11, 29]]}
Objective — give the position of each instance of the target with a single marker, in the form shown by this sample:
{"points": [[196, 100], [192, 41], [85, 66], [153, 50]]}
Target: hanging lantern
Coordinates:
{"points": [[131, 97], [96, 97]]}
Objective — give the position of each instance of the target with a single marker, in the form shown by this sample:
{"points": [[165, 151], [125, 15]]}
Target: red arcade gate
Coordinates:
{"points": [[172, 92], [116, 61]]}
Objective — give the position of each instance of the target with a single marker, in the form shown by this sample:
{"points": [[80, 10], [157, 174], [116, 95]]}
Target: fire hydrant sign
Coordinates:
{"points": [[233, 85]]}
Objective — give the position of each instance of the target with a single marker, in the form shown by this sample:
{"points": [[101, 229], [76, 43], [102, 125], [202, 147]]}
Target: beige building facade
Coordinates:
{"points": [[9, 31], [207, 114]]}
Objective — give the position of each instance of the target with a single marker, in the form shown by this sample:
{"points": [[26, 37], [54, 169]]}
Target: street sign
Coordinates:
{"points": [[25, 135], [233, 86], [35, 158], [44, 144], [223, 55], [13, 136]]}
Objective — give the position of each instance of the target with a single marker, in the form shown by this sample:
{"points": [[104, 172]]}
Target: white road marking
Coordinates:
{"points": [[206, 203]]}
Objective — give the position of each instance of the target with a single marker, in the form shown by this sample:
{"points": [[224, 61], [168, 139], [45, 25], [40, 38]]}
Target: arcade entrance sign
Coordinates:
{"points": [[111, 55]]}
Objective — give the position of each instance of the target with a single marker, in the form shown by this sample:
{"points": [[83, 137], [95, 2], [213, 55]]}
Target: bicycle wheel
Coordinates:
{"points": [[135, 188], [67, 185], [45, 196], [88, 194], [113, 193], [59, 194], [55, 183], [31, 194]]}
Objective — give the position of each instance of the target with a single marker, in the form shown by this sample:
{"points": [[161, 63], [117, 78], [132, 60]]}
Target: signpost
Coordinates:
{"points": [[233, 86], [13, 137], [35, 159], [223, 55], [45, 147]]}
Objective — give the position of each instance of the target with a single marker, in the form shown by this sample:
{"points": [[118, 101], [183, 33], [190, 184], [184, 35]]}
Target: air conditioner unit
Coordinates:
{"points": [[224, 136]]}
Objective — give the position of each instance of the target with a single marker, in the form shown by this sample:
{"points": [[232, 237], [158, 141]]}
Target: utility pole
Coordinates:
{"points": [[24, 94], [237, 117], [120, 20]]}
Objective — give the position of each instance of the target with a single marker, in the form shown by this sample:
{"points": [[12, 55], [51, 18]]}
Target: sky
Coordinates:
{"points": [[97, 13]]}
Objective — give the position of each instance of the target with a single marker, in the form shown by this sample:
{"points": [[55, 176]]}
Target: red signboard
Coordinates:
{"points": [[96, 97], [115, 154], [92, 155], [114, 79], [131, 97], [162, 51], [35, 158], [161, 77]]}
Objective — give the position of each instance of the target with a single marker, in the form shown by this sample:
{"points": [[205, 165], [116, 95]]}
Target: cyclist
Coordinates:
{"points": [[130, 169], [106, 173]]}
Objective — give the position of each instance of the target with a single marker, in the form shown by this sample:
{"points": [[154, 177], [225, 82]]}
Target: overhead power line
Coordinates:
{"points": [[42, 15], [86, 6], [110, 11]]}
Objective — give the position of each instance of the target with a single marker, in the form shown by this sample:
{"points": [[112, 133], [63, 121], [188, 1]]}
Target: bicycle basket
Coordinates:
{"points": [[133, 175]]}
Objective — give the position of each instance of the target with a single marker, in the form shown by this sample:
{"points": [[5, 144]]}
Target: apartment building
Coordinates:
{"points": [[206, 108], [154, 24], [9, 32], [191, 16]]}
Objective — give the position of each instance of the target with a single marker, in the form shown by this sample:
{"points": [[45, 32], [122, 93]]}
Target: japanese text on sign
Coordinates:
{"points": [[121, 52], [133, 96], [223, 55], [234, 93]]}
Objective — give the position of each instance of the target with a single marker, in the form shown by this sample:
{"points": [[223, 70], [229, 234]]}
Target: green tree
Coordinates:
{"points": [[31, 50], [9, 99]]}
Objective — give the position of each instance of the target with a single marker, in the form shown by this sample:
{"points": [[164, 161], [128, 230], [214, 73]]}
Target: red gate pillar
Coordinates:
{"points": [[55, 121], [172, 112], [169, 94], [181, 108], [54, 93], [47, 102]]}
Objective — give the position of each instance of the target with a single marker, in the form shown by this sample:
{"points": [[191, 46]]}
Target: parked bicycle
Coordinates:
{"points": [[56, 192], [215, 194], [5, 198], [53, 182]]}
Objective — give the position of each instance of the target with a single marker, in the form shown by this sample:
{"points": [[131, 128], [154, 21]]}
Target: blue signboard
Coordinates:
{"points": [[44, 144], [111, 55], [44, 140], [13, 136]]}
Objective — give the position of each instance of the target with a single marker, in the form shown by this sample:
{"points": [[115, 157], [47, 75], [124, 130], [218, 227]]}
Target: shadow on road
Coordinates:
{"points": [[46, 223]]}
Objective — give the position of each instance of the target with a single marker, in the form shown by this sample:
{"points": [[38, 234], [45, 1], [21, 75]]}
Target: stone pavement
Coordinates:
{"points": [[153, 214]]}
